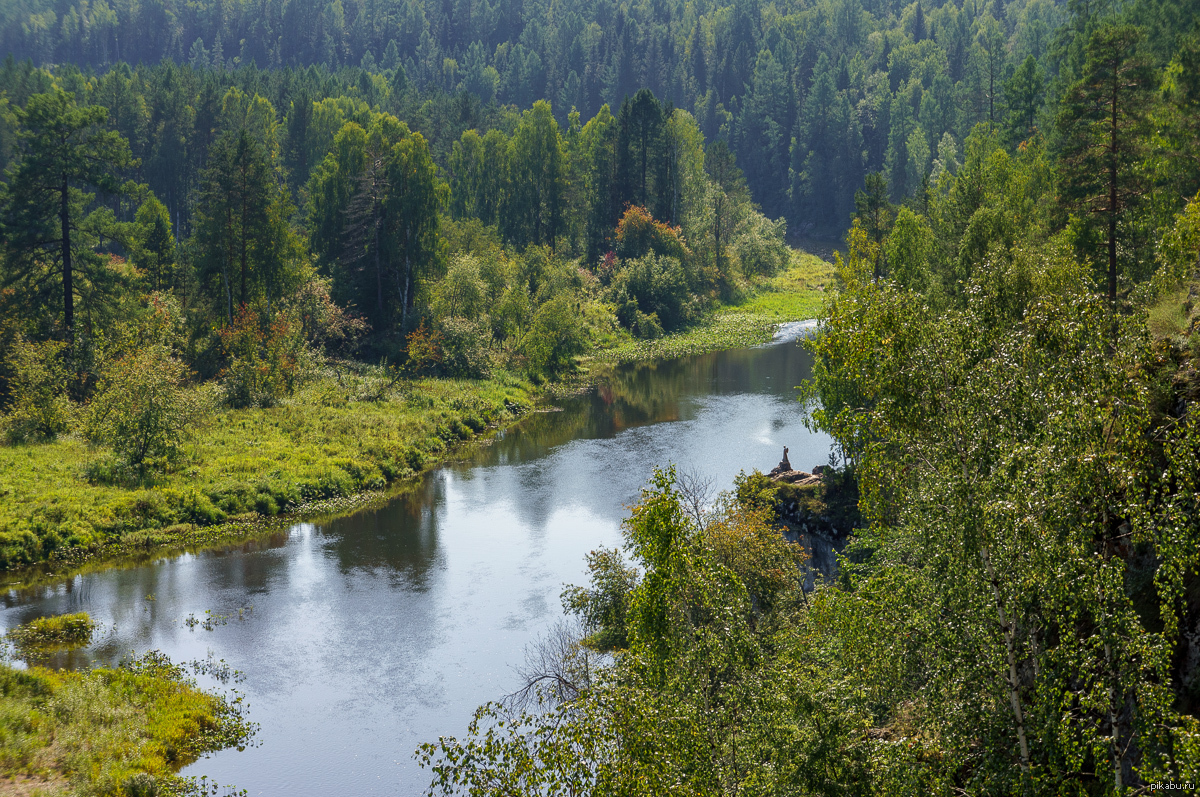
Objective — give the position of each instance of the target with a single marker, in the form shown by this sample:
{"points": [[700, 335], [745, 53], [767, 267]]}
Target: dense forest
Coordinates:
{"points": [[207, 203], [810, 96]]}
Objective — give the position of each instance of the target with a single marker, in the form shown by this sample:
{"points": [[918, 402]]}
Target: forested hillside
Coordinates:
{"points": [[346, 236], [810, 96]]}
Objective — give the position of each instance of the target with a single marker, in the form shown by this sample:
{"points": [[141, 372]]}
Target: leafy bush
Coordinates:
{"points": [[461, 292], [603, 607], [424, 350], [324, 324], [40, 407], [760, 246], [267, 357], [654, 286], [639, 234], [144, 411], [555, 338], [464, 347]]}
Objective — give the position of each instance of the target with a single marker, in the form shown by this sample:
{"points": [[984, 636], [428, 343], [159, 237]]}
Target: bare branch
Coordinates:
{"points": [[696, 493], [557, 669]]}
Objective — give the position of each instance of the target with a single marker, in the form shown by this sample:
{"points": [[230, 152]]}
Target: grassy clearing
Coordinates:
{"points": [[794, 295], [336, 438], [109, 732], [1171, 316]]}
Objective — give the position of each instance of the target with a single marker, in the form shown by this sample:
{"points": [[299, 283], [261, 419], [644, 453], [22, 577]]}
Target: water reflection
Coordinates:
{"points": [[364, 635]]}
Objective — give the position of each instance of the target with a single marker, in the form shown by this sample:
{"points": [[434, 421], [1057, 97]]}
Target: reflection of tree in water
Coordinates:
{"points": [[638, 394], [401, 536], [556, 463]]}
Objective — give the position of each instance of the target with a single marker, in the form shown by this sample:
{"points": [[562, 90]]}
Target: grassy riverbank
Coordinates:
{"points": [[796, 294], [63, 501], [349, 431], [108, 732]]}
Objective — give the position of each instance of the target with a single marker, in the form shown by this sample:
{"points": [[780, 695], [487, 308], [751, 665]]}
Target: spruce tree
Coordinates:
{"points": [[1103, 127]]}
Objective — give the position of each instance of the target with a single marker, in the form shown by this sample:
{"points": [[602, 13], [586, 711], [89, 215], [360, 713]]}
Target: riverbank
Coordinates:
{"points": [[343, 437], [62, 506], [794, 295], [110, 732]]}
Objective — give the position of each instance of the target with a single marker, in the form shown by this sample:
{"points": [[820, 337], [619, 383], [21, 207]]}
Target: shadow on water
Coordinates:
{"points": [[362, 636]]}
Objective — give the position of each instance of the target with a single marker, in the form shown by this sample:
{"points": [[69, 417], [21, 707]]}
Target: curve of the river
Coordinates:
{"points": [[362, 636]]}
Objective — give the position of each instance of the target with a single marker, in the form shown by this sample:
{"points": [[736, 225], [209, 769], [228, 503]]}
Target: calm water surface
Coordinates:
{"points": [[362, 636]]}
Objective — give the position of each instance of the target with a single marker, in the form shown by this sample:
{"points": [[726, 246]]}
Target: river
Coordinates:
{"points": [[362, 636]]}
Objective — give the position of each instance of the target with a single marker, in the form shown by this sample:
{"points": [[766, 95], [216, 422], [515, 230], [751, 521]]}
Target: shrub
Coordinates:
{"points": [[657, 286], [464, 347], [144, 411], [555, 338], [424, 350], [266, 358], [461, 292], [40, 408], [323, 324], [639, 234], [760, 245]]}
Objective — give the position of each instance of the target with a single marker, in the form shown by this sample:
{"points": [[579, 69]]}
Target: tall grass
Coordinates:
{"points": [[109, 732]]}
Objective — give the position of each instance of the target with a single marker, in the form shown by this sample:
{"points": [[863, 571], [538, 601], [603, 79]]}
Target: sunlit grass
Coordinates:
{"points": [[1168, 317], [321, 444], [107, 732], [53, 633], [793, 295]]}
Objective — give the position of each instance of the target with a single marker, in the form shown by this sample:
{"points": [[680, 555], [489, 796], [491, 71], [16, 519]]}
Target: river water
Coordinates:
{"points": [[362, 636]]}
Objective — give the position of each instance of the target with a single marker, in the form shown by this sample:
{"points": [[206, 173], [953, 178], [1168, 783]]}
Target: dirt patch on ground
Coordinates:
{"points": [[32, 786]]}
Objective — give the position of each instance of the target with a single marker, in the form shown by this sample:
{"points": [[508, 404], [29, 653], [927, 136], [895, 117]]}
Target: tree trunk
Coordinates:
{"points": [[245, 212], [227, 262], [1009, 629], [378, 266], [1112, 197], [64, 217]]}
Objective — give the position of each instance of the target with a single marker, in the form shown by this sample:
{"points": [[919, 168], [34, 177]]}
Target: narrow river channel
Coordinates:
{"points": [[362, 636]]}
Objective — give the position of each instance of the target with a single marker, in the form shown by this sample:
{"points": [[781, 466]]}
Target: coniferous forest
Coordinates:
{"points": [[366, 230]]}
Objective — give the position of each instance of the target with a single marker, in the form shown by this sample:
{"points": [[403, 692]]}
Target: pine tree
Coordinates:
{"points": [[242, 231], [1103, 126], [50, 221]]}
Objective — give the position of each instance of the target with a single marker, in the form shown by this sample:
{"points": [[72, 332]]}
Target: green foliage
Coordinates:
{"points": [[51, 221], [692, 704], [144, 409], [462, 291], [39, 408], [1003, 457], [554, 339], [52, 633], [760, 247], [247, 250], [604, 606], [908, 250], [154, 244], [651, 294], [464, 347], [1104, 127], [108, 732]]}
